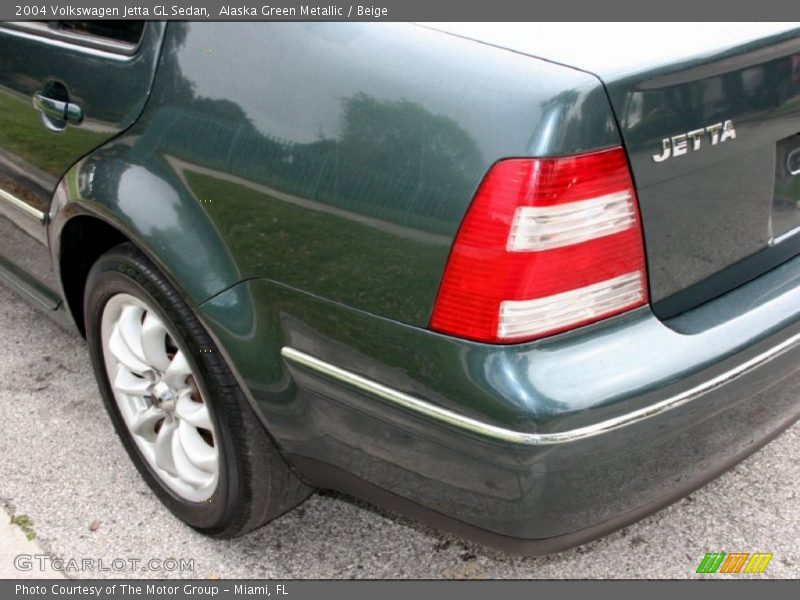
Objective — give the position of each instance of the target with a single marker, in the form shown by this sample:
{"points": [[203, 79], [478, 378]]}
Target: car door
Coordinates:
{"points": [[66, 87]]}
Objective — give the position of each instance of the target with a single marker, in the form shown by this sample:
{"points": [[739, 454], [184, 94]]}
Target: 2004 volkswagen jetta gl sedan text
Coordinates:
{"points": [[526, 282]]}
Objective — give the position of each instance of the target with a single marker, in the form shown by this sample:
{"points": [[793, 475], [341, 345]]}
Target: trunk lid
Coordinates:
{"points": [[710, 118]]}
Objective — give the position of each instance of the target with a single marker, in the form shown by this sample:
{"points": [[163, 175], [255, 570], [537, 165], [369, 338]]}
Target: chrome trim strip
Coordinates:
{"points": [[108, 49], [533, 439], [22, 205]]}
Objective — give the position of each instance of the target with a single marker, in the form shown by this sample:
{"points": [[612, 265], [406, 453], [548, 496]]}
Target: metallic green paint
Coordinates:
{"points": [[110, 90], [717, 199], [706, 214], [596, 373], [152, 209], [326, 173], [306, 194]]}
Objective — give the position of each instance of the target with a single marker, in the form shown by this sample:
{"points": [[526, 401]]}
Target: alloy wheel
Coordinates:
{"points": [[159, 398]]}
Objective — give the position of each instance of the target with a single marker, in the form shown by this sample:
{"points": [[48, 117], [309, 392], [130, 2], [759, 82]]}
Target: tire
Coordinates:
{"points": [[168, 421]]}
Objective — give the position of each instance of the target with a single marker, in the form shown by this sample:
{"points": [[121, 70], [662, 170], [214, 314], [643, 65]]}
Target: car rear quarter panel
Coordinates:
{"points": [[334, 158]]}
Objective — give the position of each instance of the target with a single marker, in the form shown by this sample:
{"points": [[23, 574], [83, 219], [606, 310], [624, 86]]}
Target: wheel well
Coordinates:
{"points": [[83, 240]]}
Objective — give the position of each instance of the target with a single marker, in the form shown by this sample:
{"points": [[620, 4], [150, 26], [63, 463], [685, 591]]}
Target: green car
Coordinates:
{"points": [[528, 283]]}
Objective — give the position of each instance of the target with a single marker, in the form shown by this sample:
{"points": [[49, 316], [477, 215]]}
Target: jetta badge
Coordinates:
{"points": [[678, 145]]}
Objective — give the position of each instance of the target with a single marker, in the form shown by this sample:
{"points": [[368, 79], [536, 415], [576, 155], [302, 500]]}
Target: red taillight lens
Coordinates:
{"points": [[548, 244]]}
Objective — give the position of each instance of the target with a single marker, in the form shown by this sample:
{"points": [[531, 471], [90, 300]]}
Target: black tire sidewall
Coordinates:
{"points": [[125, 272]]}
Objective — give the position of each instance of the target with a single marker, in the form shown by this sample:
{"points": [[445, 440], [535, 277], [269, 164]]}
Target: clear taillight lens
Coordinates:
{"points": [[548, 244]]}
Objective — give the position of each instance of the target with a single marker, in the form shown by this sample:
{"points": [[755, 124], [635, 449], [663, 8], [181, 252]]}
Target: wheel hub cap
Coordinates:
{"points": [[165, 396]]}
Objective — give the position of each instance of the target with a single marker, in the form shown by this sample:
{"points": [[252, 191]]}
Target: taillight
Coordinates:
{"points": [[547, 245]]}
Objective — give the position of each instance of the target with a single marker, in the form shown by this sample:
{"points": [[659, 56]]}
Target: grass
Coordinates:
{"points": [[340, 260], [25, 523], [22, 134], [321, 253], [789, 189]]}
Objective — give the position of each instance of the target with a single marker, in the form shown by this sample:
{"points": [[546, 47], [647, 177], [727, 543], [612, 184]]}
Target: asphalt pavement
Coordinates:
{"points": [[63, 469]]}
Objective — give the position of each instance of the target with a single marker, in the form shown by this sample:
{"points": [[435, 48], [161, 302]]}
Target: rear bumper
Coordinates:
{"points": [[525, 438], [558, 494], [535, 447]]}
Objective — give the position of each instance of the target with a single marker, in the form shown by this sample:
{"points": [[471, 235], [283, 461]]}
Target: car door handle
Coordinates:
{"points": [[58, 109]]}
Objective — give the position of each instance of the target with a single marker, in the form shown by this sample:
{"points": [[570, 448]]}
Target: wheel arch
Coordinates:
{"points": [[107, 199], [92, 212], [83, 240]]}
